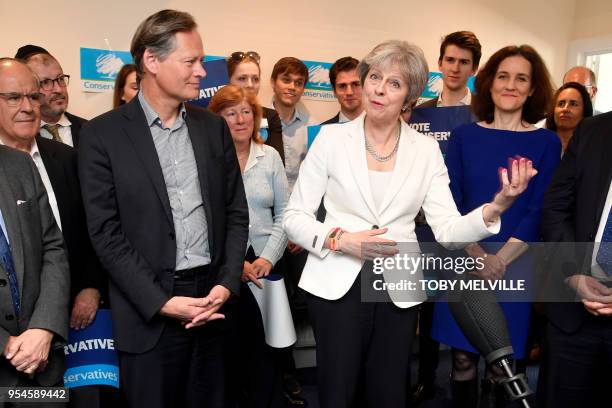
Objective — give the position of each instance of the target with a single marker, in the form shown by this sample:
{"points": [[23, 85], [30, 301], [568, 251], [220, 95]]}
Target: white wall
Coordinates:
{"points": [[592, 19], [320, 30]]}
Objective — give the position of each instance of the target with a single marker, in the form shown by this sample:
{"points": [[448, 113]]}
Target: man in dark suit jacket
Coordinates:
{"points": [[168, 217], [275, 131], [576, 209], [87, 279], [34, 277], [76, 123], [57, 123], [345, 82]]}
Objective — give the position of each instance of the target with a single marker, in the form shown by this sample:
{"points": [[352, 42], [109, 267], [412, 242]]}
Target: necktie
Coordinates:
{"points": [[604, 255], [7, 262], [54, 130]]}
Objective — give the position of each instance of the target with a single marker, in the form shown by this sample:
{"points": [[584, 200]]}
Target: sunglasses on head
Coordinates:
{"points": [[239, 56]]}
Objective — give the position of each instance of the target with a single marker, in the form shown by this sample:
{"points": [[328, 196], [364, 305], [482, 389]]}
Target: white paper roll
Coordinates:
{"points": [[275, 312]]}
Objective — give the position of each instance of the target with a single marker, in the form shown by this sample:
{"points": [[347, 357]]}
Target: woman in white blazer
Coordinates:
{"points": [[374, 174]]}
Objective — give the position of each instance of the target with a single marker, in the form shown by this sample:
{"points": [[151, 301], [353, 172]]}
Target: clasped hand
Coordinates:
{"points": [[596, 297], [259, 268], [494, 268], [29, 351], [195, 312]]}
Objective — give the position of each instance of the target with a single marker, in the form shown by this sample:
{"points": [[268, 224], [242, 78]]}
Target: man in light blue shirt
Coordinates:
{"points": [[288, 80]]}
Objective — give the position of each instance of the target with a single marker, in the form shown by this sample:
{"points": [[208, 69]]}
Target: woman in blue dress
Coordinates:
{"points": [[513, 92]]}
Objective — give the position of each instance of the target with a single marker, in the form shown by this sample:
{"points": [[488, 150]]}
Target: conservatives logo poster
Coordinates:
{"points": [[318, 87], [99, 68], [91, 358], [434, 86]]}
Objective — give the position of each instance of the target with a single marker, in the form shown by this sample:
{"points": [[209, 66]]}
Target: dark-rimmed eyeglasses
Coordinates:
{"points": [[14, 99], [239, 56], [62, 81]]}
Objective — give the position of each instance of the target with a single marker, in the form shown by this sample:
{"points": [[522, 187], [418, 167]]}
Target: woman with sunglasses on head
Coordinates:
{"points": [[571, 104], [244, 71]]}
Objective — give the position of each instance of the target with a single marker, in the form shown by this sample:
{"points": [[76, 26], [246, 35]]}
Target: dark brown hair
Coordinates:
{"points": [[290, 65], [587, 105], [125, 71], [157, 33], [536, 106], [232, 95], [341, 65], [463, 39]]}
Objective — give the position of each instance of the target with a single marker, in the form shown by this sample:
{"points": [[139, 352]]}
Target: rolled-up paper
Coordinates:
{"points": [[275, 312]]}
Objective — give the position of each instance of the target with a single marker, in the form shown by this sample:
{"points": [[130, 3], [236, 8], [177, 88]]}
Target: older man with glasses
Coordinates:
{"points": [[56, 123], [34, 275]]}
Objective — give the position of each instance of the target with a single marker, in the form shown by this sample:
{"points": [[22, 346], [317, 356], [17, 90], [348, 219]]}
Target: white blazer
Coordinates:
{"points": [[336, 168]]}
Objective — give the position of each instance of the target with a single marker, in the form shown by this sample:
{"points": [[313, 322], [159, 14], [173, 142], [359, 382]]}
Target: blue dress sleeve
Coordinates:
{"points": [[528, 229]]}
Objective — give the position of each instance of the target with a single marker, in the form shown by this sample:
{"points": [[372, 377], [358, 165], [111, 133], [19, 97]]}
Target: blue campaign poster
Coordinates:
{"points": [[434, 85], [91, 357], [313, 131], [439, 122], [102, 65], [215, 79], [99, 68]]}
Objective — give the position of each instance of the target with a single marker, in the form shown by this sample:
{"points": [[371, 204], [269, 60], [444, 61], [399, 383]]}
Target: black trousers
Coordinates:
{"points": [[371, 341], [186, 368], [576, 367], [255, 372], [429, 349]]}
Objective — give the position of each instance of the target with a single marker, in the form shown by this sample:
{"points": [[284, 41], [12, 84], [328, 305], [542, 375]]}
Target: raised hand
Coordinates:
{"points": [[515, 183]]}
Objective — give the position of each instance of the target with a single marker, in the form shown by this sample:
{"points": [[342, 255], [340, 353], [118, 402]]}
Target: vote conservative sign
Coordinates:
{"points": [[91, 358]]}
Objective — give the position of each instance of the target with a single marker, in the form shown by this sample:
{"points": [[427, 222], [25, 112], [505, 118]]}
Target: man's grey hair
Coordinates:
{"points": [[157, 34], [5, 60], [407, 57]]}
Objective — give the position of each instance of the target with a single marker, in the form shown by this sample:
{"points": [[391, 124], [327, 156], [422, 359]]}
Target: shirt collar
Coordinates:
{"points": [[33, 150], [256, 150], [63, 122], [297, 115], [342, 118], [151, 115], [465, 101]]}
